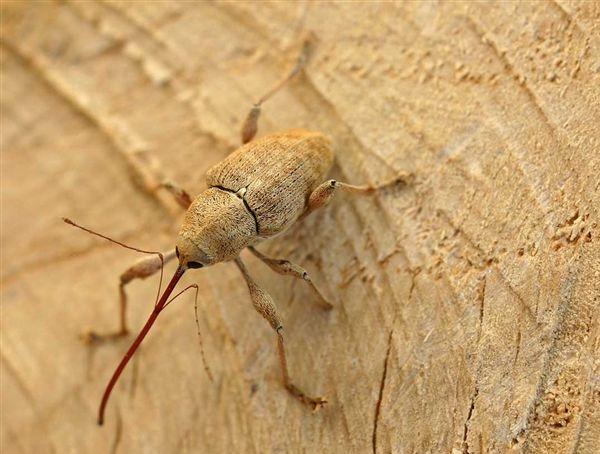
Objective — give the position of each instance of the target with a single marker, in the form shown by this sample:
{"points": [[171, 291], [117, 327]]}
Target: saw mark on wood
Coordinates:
{"points": [[232, 19], [528, 311], [103, 124], [42, 264], [568, 16], [143, 33], [414, 250], [543, 378], [139, 27], [344, 416], [369, 255], [591, 390], [484, 37], [459, 230], [331, 120], [19, 379], [157, 72]]}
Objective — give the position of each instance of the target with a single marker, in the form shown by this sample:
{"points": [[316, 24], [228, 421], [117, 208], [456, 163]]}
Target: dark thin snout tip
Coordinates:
{"points": [[100, 422]]}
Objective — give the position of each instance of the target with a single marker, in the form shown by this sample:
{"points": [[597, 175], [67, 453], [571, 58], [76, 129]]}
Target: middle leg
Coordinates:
{"points": [[286, 267], [181, 196], [323, 193]]}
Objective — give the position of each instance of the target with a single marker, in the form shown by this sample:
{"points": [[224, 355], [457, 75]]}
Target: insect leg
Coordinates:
{"points": [[323, 193], [142, 269], [250, 125], [286, 267], [152, 178], [263, 303], [181, 196]]}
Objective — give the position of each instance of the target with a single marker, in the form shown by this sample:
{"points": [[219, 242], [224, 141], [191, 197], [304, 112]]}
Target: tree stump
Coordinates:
{"points": [[466, 305]]}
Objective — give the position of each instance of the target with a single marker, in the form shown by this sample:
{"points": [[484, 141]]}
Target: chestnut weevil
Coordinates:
{"points": [[256, 193]]}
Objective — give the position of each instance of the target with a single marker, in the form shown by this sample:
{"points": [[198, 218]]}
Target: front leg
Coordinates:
{"points": [[142, 269], [286, 267], [263, 303]]}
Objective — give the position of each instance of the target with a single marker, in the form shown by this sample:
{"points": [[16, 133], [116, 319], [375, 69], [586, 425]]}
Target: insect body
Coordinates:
{"points": [[257, 192]]}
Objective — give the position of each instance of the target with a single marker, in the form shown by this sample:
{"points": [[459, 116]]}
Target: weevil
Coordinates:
{"points": [[256, 193]]}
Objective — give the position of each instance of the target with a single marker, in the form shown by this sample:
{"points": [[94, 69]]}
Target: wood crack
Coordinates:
{"points": [[481, 298], [465, 444], [381, 390], [118, 433]]}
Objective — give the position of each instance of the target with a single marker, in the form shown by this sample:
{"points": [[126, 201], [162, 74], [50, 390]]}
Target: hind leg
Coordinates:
{"points": [[263, 303], [250, 125], [286, 267]]}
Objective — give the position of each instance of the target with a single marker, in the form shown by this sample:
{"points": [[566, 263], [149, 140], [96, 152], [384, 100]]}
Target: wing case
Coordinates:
{"points": [[279, 172]]}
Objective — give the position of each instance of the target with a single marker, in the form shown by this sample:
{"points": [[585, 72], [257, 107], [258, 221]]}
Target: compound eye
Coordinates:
{"points": [[194, 265]]}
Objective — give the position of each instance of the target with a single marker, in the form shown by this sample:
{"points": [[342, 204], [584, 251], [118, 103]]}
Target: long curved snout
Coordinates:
{"points": [[159, 306]]}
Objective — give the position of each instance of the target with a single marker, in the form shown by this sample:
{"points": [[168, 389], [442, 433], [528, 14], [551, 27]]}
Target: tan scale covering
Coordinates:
{"points": [[279, 171], [465, 307], [218, 224]]}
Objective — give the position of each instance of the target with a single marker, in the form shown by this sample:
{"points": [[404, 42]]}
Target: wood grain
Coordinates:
{"points": [[466, 307]]}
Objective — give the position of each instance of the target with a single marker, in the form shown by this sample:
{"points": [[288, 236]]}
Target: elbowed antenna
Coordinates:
{"points": [[158, 307]]}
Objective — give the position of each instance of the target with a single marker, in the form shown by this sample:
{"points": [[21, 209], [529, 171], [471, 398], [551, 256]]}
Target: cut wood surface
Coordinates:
{"points": [[466, 306]]}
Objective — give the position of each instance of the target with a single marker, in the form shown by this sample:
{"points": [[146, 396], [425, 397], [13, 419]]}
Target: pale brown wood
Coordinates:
{"points": [[465, 307]]}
